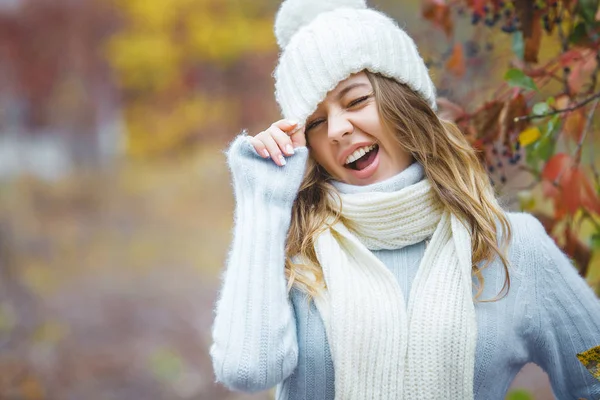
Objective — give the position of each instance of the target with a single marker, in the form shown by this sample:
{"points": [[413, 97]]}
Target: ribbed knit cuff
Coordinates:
{"points": [[253, 174]]}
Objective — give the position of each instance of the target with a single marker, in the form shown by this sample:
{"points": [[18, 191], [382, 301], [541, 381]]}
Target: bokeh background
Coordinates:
{"points": [[115, 202]]}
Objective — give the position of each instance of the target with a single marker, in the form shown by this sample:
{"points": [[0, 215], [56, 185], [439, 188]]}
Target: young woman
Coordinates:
{"points": [[370, 259]]}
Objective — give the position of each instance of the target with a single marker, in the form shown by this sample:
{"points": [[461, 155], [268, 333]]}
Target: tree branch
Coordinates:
{"points": [[588, 124], [564, 40], [558, 111]]}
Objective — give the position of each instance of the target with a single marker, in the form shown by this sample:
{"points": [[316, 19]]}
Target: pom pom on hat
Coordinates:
{"points": [[294, 14]]}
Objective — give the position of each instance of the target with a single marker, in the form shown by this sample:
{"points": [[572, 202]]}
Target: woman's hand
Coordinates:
{"points": [[280, 139]]}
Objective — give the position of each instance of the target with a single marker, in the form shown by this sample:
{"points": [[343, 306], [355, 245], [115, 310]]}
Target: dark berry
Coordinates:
{"points": [[508, 28]]}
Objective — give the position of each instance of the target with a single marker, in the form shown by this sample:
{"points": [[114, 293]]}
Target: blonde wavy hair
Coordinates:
{"points": [[450, 163]]}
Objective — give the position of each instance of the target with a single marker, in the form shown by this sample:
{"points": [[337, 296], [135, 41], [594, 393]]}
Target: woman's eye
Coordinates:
{"points": [[358, 101], [312, 125]]}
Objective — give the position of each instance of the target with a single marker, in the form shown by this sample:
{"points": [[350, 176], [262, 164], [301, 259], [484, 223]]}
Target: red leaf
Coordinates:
{"points": [[581, 69], [478, 6], [573, 189], [570, 56], [555, 165]]}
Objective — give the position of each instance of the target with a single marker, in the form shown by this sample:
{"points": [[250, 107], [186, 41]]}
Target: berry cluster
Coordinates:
{"points": [[506, 14], [496, 162]]}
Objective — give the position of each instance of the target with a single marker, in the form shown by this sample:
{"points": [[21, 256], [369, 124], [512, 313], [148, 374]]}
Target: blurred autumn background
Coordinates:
{"points": [[115, 204]]}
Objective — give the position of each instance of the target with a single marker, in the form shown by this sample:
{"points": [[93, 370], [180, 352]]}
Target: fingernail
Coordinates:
{"points": [[282, 160], [266, 153], [289, 149], [292, 122]]}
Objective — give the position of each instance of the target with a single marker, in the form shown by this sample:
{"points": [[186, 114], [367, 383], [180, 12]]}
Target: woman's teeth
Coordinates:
{"points": [[358, 153]]}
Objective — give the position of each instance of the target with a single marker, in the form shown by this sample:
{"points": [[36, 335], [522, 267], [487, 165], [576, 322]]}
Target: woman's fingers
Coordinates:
{"points": [[278, 140], [286, 125], [259, 146], [282, 139], [274, 150]]}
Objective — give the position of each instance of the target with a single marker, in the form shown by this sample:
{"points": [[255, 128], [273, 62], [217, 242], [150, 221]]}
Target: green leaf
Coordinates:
{"points": [[587, 10], [545, 148], [519, 394], [541, 108], [516, 77], [518, 45], [596, 241], [552, 125], [579, 33]]}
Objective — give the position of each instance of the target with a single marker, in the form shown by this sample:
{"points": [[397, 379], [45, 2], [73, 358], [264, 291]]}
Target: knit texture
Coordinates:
{"points": [[324, 42], [263, 337], [381, 349]]}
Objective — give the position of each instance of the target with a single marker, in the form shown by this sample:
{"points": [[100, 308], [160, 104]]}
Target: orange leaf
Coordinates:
{"points": [[574, 124], [439, 14], [456, 62], [562, 101]]}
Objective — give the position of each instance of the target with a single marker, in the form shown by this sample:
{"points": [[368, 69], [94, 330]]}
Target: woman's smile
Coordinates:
{"points": [[346, 136]]}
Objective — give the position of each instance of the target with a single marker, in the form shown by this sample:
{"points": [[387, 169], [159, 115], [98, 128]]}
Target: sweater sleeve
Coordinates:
{"points": [[254, 331], [568, 320]]}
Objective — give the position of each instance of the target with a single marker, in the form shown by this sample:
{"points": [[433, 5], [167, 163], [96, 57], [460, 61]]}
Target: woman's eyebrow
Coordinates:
{"points": [[348, 88]]}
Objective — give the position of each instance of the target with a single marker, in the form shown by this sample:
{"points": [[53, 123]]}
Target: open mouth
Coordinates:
{"points": [[364, 161]]}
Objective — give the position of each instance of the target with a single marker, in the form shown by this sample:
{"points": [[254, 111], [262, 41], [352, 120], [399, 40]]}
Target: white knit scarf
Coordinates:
{"points": [[382, 349]]}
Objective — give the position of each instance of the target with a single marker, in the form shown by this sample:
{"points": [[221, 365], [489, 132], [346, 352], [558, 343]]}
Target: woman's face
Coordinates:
{"points": [[347, 138]]}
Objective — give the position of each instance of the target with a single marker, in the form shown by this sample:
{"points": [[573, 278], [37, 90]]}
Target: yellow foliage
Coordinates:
{"points": [[155, 129], [529, 136], [144, 60], [158, 47], [223, 40], [591, 360]]}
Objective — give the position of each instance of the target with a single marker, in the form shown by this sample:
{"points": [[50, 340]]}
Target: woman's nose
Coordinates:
{"points": [[338, 127]]}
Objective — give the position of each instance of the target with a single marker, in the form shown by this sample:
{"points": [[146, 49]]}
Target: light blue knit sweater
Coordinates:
{"points": [[264, 337]]}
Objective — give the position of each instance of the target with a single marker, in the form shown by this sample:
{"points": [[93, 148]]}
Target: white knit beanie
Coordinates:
{"points": [[323, 42]]}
